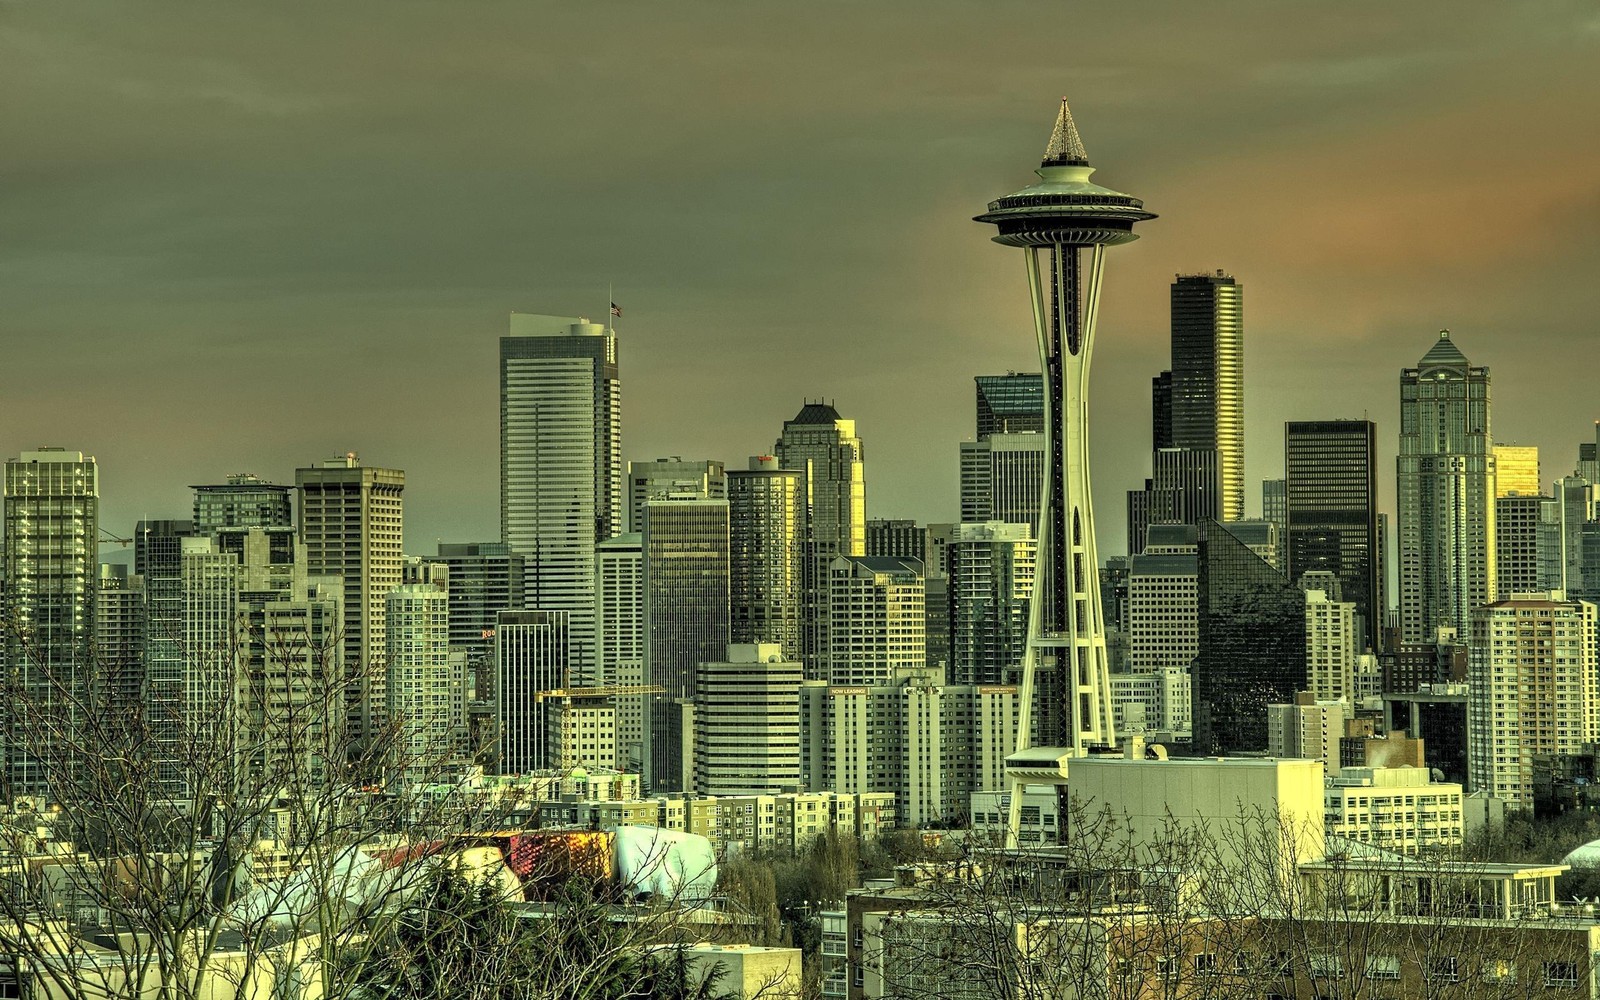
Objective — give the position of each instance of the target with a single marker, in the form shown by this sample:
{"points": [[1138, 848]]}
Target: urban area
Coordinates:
{"points": [[709, 727]]}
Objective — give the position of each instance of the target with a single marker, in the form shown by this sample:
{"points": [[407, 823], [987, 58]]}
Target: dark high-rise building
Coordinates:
{"points": [[1527, 545], [897, 539], [1161, 412], [1208, 378], [486, 578], [1183, 486], [686, 610], [766, 533], [1331, 510], [1275, 505], [1196, 413], [158, 558], [1445, 493], [1139, 520], [1589, 457], [244, 501], [1252, 644], [1012, 403]]}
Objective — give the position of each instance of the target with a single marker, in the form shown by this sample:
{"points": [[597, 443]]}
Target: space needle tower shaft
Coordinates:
{"points": [[1063, 224]]}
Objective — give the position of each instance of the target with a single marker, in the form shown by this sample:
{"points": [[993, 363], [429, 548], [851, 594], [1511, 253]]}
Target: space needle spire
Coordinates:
{"points": [[1063, 224]]}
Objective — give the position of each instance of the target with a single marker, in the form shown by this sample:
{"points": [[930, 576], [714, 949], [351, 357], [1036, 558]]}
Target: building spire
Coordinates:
{"points": [[1066, 146]]}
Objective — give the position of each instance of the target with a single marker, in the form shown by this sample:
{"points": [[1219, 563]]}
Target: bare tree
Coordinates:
{"points": [[236, 844], [1243, 908]]}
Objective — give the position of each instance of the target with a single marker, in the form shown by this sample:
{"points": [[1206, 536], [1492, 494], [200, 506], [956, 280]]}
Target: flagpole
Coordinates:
{"points": [[611, 301]]}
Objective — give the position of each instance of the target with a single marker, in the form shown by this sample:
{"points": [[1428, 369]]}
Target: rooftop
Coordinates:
{"points": [[818, 412], [1443, 354]]}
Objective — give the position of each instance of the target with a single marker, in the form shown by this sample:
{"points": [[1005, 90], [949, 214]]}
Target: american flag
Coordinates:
{"points": [[616, 310]]}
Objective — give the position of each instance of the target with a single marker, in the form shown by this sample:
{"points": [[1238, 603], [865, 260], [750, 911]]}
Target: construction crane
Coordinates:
{"points": [[107, 538]]}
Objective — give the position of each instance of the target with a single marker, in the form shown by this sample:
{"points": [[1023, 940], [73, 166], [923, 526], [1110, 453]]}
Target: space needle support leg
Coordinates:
{"points": [[1030, 655]]}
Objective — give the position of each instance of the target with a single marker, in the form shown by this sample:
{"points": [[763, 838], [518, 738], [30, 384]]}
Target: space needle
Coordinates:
{"points": [[1063, 224]]}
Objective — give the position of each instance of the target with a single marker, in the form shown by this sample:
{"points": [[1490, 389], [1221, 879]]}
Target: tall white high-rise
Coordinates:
{"points": [[420, 695], [1532, 676], [877, 620], [1332, 640], [619, 618], [212, 687], [52, 530], [352, 524], [560, 464], [747, 722]]}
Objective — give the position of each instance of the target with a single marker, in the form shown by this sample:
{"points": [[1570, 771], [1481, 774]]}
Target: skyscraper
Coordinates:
{"points": [[1196, 412], [119, 632], [1252, 642], [288, 647], [244, 501], [1163, 610], [212, 690], [619, 617], [747, 722], [877, 618], [1208, 378], [158, 558], [1527, 545], [664, 477], [1331, 500], [1063, 225], [531, 656], [560, 463], [767, 530], [1445, 493], [352, 524], [1003, 469], [1000, 478], [897, 538], [51, 544], [1275, 504], [824, 447], [685, 620], [991, 575], [1012, 403], [1516, 471], [1532, 665], [419, 696], [485, 579]]}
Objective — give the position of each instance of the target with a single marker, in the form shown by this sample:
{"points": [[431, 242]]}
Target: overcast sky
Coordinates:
{"points": [[246, 236]]}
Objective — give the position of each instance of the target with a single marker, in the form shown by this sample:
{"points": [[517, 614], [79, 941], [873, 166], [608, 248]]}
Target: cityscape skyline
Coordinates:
{"points": [[164, 251]]}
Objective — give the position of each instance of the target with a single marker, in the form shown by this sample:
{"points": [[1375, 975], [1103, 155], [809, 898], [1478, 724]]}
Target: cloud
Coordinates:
{"points": [[243, 236]]}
